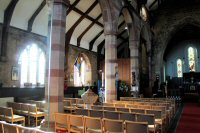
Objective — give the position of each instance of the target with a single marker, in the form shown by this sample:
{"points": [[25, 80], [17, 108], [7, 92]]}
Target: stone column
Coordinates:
{"points": [[134, 60], [110, 67], [54, 88], [134, 41], [150, 69]]}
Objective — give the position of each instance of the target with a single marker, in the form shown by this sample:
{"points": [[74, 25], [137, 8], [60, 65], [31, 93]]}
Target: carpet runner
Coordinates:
{"points": [[190, 119]]}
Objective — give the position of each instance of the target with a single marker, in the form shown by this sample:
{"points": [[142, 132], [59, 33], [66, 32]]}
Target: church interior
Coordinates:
{"points": [[127, 66]]}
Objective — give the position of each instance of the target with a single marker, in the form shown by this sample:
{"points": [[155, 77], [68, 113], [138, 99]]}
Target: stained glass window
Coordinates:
{"points": [[179, 68], [80, 72], [191, 58]]}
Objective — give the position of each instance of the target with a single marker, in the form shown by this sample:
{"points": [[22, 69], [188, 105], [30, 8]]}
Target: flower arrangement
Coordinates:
{"points": [[123, 87]]}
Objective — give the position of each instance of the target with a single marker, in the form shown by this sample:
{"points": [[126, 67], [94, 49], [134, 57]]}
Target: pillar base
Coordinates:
{"points": [[45, 126]]}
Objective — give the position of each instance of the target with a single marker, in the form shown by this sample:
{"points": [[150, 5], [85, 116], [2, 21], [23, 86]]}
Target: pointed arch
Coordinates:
{"points": [[83, 71]]}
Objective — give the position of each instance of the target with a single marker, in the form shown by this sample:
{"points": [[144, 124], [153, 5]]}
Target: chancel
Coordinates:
{"points": [[99, 66]]}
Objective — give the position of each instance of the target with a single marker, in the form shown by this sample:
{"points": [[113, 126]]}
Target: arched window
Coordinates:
{"points": [[191, 58], [179, 68], [80, 71], [32, 62], [144, 13]]}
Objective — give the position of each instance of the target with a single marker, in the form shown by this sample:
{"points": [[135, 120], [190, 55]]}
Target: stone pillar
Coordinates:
{"points": [[54, 88], [134, 60], [150, 67], [110, 67], [134, 41]]}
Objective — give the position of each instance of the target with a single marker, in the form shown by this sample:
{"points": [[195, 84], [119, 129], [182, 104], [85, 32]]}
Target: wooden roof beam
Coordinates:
{"points": [[98, 35], [71, 30], [87, 16], [87, 29], [152, 4], [6, 24], [71, 7], [31, 20]]}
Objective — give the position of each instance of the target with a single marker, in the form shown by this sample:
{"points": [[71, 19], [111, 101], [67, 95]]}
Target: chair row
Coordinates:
{"points": [[159, 111], [153, 117], [141, 104], [6, 114], [85, 124], [39, 104], [75, 101], [29, 110], [14, 128], [165, 107], [172, 101], [137, 109]]}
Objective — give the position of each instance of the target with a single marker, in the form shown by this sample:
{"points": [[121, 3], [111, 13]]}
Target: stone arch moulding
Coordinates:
{"points": [[144, 33], [88, 68], [127, 15], [167, 36], [110, 12]]}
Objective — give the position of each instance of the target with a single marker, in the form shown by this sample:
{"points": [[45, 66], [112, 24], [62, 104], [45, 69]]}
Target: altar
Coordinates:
{"points": [[191, 85]]}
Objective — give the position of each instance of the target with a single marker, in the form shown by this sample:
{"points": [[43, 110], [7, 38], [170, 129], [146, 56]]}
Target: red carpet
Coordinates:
{"points": [[190, 119]]}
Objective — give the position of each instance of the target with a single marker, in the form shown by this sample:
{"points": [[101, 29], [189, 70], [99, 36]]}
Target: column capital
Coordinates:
{"points": [[64, 2], [110, 28]]}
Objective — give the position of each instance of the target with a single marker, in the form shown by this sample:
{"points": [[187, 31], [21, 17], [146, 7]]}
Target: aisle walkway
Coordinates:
{"points": [[190, 119]]}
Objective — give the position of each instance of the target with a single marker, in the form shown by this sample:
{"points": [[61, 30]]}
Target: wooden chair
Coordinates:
{"points": [[17, 108], [109, 104], [122, 109], [142, 111], [144, 106], [2, 110], [111, 115], [136, 127], [159, 118], [93, 125], [80, 103], [164, 112], [113, 125], [131, 105], [24, 109], [84, 112], [9, 128], [68, 106], [10, 117], [61, 120], [96, 113], [1, 126], [127, 116], [76, 123], [33, 112], [149, 118], [109, 108], [97, 107], [120, 105], [72, 100]]}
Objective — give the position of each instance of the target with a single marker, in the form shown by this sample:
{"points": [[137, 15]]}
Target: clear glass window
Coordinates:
{"points": [[32, 62]]}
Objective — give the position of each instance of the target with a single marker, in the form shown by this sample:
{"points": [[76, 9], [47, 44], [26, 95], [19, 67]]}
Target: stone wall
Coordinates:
{"points": [[3, 101], [17, 41], [72, 53], [169, 20]]}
